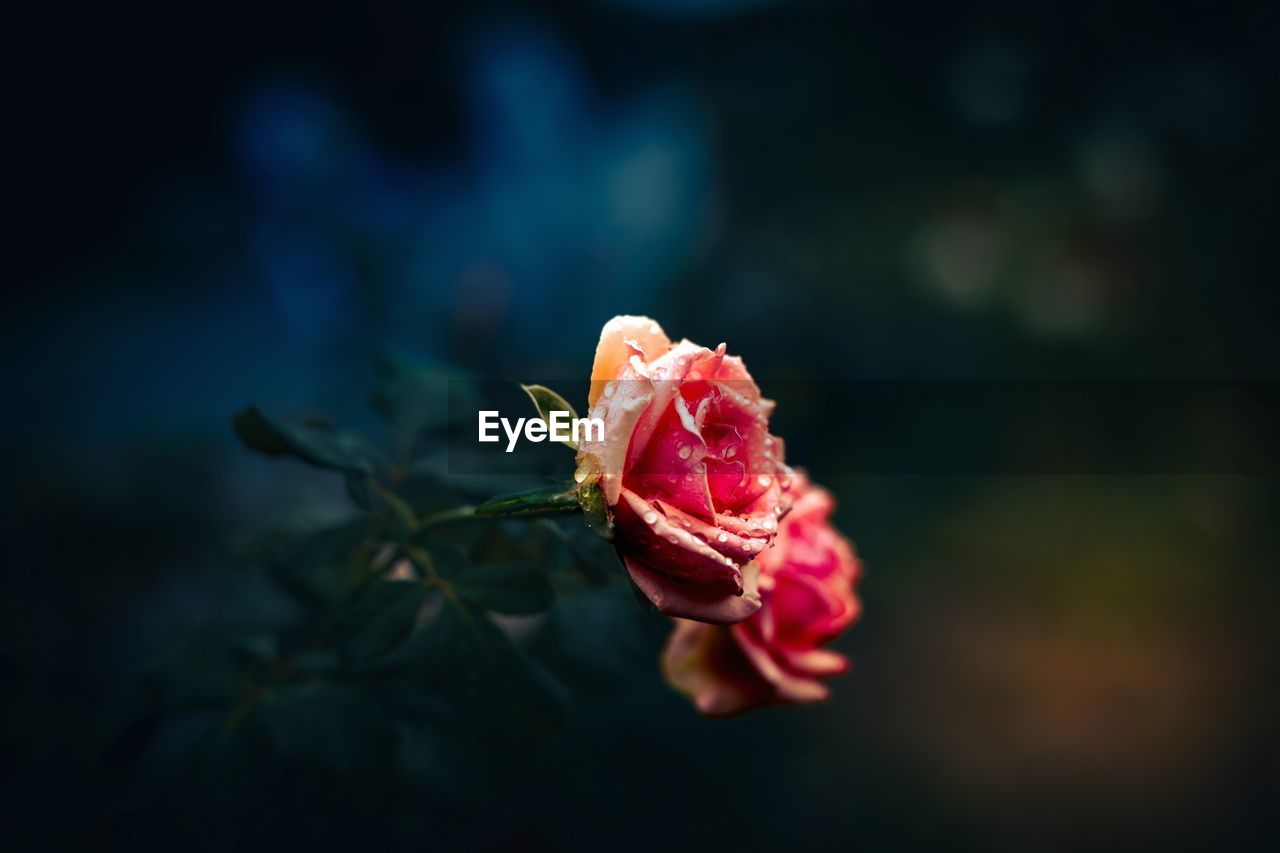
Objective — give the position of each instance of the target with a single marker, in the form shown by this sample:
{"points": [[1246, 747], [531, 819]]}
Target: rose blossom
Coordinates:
{"points": [[693, 479], [807, 583]]}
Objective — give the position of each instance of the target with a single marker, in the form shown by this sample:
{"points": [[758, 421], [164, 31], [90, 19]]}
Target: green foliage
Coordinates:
{"points": [[316, 444], [417, 634], [547, 401], [498, 689], [378, 619], [320, 568], [506, 588], [319, 445]]}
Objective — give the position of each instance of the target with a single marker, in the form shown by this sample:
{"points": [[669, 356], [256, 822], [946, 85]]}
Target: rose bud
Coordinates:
{"points": [[692, 478], [776, 657]]}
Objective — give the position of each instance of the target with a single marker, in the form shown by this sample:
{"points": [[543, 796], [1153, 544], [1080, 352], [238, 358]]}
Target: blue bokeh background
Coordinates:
{"points": [[218, 205]]}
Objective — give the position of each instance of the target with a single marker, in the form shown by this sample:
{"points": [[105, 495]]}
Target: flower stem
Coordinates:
{"points": [[553, 500]]}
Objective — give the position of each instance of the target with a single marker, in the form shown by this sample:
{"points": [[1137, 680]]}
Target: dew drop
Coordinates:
{"points": [[730, 451], [673, 539], [764, 479], [723, 537], [608, 389], [650, 517], [685, 452]]}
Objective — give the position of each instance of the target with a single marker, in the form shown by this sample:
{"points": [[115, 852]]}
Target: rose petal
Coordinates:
{"points": [[620, 414], [668, 546], [704, 602], [740, 548], [790, 687], [704, 663], [612, 352], [815, 663], [807, 613]]}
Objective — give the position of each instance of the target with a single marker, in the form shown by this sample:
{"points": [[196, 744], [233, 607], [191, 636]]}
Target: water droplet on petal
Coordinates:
{"points": [[723, 537], [764, 480], [673, 539], [685, 452], [650, 517]]}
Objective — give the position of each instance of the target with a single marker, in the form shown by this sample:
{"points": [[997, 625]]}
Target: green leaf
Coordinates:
{"points": [[598, 637], [400, 510], [547, 401], [517, 695], [379, 619], [321, 568], [320, 446], [447, 558], [496, 686], [548, 501], [506, 588]]}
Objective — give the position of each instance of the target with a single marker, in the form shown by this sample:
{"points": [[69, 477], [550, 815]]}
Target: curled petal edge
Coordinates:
{"points": [[716, 604]]}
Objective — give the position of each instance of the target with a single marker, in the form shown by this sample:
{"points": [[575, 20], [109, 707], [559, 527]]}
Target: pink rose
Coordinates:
{"points": [[693, 479], [807, 584]]}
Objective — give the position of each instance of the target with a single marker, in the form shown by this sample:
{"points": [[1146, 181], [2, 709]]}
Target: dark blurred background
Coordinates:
{"points": [[219, 204]]}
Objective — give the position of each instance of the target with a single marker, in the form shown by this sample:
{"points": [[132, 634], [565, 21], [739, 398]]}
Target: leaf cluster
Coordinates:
{"points": [[417, 634]]}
